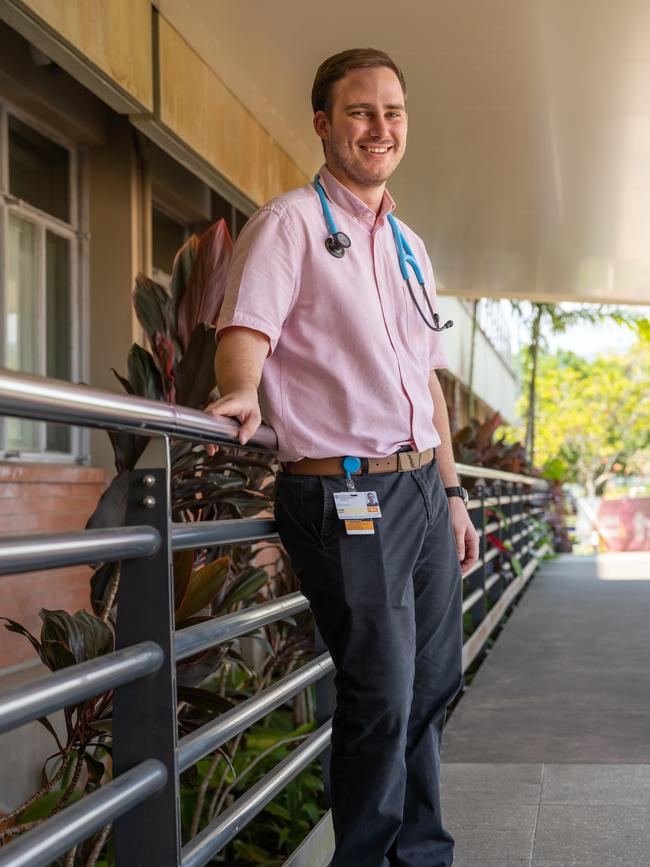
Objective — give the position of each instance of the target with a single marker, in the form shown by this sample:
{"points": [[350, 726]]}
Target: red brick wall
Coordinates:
{"points": [[43, 498]]}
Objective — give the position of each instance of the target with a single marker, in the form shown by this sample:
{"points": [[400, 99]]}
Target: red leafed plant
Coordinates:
{"points": [[177, 368]]}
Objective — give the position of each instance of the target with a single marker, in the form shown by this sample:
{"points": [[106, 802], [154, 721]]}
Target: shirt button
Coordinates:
{"points": [[355, 220]]}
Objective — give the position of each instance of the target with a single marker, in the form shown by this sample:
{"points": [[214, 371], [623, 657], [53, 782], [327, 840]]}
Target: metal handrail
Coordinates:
{"points": [[499, 475], [215, 734], [203, 636], [52, 550], [42, 845], [213, 838], [151, 661], [26, 396], [76, 683], [206, 534]]}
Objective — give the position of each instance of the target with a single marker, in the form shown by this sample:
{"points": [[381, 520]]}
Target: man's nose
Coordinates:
{"points": [[379, 127]]}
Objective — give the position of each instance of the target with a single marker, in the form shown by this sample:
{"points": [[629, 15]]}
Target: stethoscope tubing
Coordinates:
{"points": [[338, 242]]}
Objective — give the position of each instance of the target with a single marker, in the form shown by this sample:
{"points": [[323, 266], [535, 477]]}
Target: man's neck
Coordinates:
{"points": [[370, 196]]}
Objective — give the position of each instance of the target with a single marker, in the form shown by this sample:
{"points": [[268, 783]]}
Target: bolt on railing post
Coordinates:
{"points": [[144, 716]]}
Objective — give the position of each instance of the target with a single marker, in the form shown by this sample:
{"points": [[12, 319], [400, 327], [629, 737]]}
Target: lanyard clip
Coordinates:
{"points": [[350, 465]]}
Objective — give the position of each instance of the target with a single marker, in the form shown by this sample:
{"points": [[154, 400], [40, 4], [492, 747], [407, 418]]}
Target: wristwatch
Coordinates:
{"points": [[458, 492]]}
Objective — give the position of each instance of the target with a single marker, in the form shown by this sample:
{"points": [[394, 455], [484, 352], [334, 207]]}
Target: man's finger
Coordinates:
{"points": [[249, 427], [460, 544], [224, 406]]}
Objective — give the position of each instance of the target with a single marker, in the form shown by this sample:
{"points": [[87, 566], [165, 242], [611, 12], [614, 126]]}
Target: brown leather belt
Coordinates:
{"points": [[400, 462]]}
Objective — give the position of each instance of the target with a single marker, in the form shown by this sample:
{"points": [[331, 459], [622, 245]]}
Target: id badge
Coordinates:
{"points": [[357, 506]]}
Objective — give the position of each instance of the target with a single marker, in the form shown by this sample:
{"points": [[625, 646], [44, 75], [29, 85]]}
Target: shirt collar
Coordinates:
{"points": [[339, 194]]}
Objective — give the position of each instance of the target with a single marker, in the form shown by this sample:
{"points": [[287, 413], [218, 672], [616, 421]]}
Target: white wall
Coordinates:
{"points": [[494, 380]]}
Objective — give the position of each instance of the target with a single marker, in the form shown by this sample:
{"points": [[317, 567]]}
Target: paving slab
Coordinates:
{"points": [[596, 785], [599, 835], [568, 678], [546, 760]]}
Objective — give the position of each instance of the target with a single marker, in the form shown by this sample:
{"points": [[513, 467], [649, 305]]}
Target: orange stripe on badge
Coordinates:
{"points": [[365, 528]]}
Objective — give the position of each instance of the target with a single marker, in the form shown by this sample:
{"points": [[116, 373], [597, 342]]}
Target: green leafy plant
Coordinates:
{"points": [[477, 444], [178, 367]]}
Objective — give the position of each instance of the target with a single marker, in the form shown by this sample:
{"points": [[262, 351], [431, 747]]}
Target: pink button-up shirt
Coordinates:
{"points": [[349, 363]]}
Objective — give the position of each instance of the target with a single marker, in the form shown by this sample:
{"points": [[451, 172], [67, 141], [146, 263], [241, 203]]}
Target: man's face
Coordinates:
{"points": [[365, 136]]}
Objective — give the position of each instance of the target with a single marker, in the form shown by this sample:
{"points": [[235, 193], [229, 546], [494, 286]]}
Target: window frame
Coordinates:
{"points": [[10, 205]]}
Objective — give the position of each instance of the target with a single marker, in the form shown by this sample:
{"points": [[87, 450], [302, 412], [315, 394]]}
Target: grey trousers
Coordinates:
{"points": [[388, 607]]}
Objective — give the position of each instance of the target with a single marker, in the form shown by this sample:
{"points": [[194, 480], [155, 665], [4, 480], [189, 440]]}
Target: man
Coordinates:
{"points": [[345, 366]]}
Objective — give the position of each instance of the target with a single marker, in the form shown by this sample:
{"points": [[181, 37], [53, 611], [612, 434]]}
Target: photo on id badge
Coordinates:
{"points": [[358, 509]]}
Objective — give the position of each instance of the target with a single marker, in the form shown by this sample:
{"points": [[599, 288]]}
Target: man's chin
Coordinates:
{"points": [[370, 178]]}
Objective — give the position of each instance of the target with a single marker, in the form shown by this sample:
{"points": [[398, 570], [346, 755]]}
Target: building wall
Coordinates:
{"points": [[494, 382], [43, 498], [134, 60]]}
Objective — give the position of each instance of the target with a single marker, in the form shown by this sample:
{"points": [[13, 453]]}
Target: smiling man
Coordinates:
{"points": [[320, 338]]}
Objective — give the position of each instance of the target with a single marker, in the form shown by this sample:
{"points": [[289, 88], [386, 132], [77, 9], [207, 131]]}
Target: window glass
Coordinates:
{"points": [[21, 325], [168, 236], [39, 170], [58, 326]]}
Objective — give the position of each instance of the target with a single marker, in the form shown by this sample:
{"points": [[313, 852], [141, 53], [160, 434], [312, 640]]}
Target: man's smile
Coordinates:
{"points": [[375, 149]]}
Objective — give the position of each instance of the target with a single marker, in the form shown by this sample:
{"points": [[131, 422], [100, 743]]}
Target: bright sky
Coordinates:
{"points": [[591, 340]]}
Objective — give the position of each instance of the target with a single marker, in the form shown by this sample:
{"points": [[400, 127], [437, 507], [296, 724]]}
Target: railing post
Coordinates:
{"points": [[508, 511], [517, 512], [144, 717], [482, 548]]}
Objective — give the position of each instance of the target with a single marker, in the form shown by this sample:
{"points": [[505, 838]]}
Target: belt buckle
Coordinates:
{"points": [[408, 461]]}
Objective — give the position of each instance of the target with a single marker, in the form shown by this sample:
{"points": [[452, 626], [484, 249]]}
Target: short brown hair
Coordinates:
{"points": [[334, 68]]}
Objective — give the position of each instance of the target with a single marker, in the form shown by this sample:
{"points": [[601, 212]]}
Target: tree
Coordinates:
{"points": [[544, 319], [592, 417]]}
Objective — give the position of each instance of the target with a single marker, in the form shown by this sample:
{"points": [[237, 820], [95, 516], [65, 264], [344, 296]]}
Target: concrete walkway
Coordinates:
{"points": [[546, 760]]}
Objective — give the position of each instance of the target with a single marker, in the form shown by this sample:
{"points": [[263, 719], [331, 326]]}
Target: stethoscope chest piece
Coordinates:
{"points": [[337, 244]]}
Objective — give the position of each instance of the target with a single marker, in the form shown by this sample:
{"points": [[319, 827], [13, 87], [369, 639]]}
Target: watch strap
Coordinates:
{"points": [[454, 492], [458, 492]]}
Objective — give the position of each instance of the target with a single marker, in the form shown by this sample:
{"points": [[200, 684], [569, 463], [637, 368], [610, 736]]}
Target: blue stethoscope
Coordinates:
{"points": [[338, 242]]}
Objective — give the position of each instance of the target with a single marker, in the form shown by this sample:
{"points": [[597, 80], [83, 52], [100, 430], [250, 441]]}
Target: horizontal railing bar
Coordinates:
{"points": [[213, 735], [472, 599], [219, 833], [489, 473], [36, 397], [52, 550], [491, 554], [71, 685], [41, 846], [473, 645], [473, 568], [202, 636], [203, 534], [494, 501], [492, 580]]}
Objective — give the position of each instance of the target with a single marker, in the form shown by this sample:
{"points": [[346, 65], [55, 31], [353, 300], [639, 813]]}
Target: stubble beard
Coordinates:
{"points": [[357, 173]]}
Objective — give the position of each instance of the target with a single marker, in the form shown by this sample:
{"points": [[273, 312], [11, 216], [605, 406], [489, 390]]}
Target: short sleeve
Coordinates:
{"points": [[437, 357], [262, 281]]}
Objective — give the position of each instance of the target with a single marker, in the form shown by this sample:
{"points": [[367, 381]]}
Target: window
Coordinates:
{"points": [[168, 236], [39, 245]]}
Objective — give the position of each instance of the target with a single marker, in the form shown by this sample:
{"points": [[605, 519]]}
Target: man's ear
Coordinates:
{"points": [[321, 124]]}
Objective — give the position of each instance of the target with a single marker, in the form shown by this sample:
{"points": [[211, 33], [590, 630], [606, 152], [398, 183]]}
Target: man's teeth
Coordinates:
{"points": [[374, 150]]}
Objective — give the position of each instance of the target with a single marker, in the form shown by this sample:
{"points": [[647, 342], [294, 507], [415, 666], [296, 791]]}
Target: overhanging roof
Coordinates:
{"points": [[528, 165]]}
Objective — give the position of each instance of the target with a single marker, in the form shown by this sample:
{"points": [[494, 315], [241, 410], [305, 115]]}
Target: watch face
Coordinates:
{"points": [[465, 496]]}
